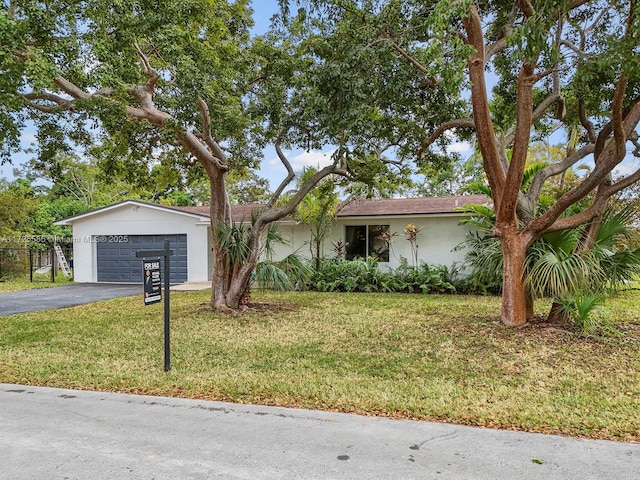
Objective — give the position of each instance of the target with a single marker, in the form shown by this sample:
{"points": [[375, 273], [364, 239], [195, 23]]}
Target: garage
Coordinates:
{"points": [[117, 261]]}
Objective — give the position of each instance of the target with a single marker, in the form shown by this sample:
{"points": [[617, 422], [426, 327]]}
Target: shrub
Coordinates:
{"points": [[585, 309], [364, 276]]}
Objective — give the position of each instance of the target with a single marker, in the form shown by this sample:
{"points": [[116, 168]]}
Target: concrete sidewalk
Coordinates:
{"points": [[51, 433]]}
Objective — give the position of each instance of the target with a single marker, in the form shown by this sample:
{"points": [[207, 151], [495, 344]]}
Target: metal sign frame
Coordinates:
{"points": [[165, 253]]}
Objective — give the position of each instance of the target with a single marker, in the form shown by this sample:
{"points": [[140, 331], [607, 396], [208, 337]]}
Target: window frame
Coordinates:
{"points": [[369, 237]]}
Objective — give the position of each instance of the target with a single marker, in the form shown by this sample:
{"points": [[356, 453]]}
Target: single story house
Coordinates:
{"points": [[105, 240]]}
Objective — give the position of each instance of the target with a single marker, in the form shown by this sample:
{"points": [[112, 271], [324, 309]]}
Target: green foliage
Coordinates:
{"points": [[557, 266], [234, 242], [424, 278], [14, 214], [585, 309], [246, 188], [285, 274], [452, 176], [317, 210], [483, 262], [200, 48], [14, 231], [362, 95], [364, 276], [235, 245], [349, 276]]}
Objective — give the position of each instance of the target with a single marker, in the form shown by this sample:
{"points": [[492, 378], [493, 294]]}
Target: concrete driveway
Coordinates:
{"points": [[78, 435], [52, 298]]}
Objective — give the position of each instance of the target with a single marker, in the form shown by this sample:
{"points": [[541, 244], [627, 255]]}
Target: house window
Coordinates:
{"points": [[367, 241]]}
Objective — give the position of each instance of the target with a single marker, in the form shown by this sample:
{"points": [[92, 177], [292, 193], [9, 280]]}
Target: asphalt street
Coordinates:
{"points": [[62, 297], [52, 433]]}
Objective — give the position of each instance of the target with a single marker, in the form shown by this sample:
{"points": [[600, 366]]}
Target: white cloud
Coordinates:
{"points": [[313, 159], [455, 147], [629, 165], [460, 147], [28, 138]]}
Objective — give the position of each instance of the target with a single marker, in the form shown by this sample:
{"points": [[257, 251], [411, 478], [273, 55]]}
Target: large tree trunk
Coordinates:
{"points": [[515, 302], [239, 286], [530, 310], [240, 278], [555, 314], [219, 214]]}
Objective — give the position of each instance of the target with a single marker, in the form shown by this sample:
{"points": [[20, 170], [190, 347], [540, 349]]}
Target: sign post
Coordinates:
{"points": [[153, 294]]}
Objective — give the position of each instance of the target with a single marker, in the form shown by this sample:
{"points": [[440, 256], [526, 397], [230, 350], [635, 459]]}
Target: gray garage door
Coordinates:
{"points": [[117, 260]]}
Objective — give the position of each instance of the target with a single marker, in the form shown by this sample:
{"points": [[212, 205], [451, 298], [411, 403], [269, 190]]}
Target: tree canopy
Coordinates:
{"points": [[176, 84], [557, 67]]}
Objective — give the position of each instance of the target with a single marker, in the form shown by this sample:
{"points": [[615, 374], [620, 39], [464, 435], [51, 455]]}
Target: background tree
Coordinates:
{"points": [[317, 211], [140, 82], [182, 84], [247, 187], [569, 65]]}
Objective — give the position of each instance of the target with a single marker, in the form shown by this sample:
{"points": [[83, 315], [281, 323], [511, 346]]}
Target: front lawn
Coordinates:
{"points": [[23, 282], [432, 357]]}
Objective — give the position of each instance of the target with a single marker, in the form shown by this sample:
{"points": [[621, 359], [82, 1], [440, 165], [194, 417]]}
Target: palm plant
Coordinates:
{"points": [[483, 255], [572, 272], [278, 275], [558, 265], [585, 310]]}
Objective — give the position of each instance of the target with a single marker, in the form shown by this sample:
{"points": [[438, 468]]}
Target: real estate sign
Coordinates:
{"points": [[151, 281]]}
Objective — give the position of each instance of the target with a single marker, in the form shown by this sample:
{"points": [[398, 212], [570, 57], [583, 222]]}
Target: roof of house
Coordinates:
{"points": [[409, 206], [356, 208], [240, 213], [124, 203], [371, 207]]}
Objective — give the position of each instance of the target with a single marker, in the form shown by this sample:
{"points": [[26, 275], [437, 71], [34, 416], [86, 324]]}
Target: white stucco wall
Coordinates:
{"points": [[298, 238], [439, 235], [136, 219]]}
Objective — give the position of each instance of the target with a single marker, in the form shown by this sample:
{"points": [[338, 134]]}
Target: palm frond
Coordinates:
{"points": [[478, 188], [556, 273], [529, 173], [273, 237], [234, 241], [269, 275]]}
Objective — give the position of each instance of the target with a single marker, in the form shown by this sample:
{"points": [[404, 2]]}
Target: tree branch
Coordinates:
{"points": [[433, 81], [273, 214], [585, 122], [555, 169], [218, 154], [501, 43], [59, 103], [526, 8], [71, 89], [457, 123], [151, 72], [480, 104], [524, 119], [290, 173], [596, 207]]}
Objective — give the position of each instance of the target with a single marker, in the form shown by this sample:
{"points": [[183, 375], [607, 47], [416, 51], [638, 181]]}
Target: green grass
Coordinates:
{"points": [[432, 357], [40, 281]]}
